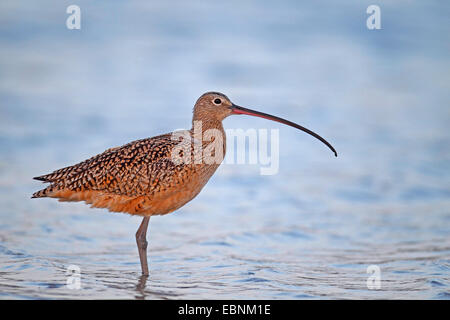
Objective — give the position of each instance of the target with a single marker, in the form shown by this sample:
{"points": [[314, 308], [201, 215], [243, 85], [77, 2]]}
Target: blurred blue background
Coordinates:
{"points": [[136, 68]]}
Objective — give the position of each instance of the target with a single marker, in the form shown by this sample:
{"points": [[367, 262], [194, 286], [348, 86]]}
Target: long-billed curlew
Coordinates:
{"points": [[147, 177]]}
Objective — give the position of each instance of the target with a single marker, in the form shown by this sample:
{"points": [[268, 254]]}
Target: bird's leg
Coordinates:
{"points": [[142, 243]]}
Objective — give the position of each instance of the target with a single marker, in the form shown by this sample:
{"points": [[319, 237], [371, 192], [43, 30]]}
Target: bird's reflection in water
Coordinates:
{"points": [[140, 287], [146, 289]]}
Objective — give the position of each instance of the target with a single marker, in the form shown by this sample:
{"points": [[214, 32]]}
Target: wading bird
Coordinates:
{"points": [[146, 177]]}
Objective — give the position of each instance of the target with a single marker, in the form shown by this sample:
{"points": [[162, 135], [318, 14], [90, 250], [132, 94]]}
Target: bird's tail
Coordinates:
{"points": [[42, 193]]}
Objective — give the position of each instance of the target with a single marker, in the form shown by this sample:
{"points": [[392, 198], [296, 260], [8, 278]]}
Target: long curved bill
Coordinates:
{"points": [[240, 110]]}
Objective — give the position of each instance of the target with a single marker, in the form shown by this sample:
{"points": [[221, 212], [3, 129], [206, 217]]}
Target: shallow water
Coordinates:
{"points": [[134, 70]]}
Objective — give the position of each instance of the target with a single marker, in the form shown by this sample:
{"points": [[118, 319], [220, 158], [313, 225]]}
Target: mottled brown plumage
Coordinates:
{"points": [[139, 178], [144, 177]]}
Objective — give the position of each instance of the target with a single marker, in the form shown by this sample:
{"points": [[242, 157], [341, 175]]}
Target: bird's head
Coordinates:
{"points": [[217, 106], [212, 105]]}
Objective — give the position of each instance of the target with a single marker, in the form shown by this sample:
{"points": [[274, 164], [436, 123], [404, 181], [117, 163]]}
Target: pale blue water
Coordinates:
{"points": [[135, 69]]}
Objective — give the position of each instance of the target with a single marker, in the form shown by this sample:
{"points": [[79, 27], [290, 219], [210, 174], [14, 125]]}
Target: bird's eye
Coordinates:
{"points": [[217, 101]]}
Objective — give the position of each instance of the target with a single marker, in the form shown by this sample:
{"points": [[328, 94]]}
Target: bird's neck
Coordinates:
{"points": [[207, 131], [206, 124]]}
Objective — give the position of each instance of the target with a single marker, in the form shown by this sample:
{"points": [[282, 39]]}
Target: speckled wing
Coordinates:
{"points": [[141, 167]]}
